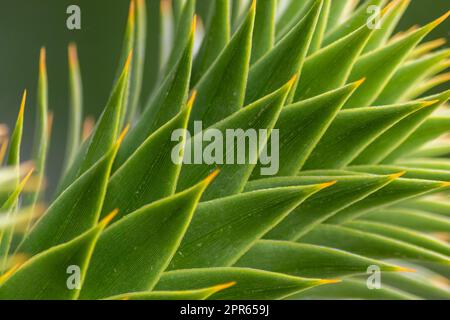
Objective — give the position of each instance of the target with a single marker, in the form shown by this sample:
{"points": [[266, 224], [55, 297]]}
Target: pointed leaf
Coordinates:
{"points": [[264, 32]]}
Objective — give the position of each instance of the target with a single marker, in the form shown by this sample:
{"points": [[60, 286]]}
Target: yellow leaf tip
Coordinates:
{"points": [[191, 100], [441, 19], [22, 104], [194, 24], [397, 175], [404, 269], [224, 286], [291, 82], [358, 83], [429, 103], [106, 220], [329, 281], [128, 62], [42, 60], [327, 184], [445, 184], [212, 176], [123, 134], [253, 6]]}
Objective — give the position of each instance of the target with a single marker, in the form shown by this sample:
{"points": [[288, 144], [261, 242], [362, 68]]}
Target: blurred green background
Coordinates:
{"points": [[26, 25]]}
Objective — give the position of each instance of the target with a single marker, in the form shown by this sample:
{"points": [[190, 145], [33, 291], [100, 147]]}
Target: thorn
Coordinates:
{"points": [[327, 184], [403, 269], [43, 61], [106, 220], [429, 103], [329, 281], [123, 134], [445, 184], [22, 104], [224, 286], [126, 68], [212, 176], [397, 175], [356, 84], [191, 100], [291, 82], [194, 24], [439, 20]]}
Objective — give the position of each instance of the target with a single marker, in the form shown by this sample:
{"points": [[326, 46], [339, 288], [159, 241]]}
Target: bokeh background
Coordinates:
{"points": [[26, 25]]}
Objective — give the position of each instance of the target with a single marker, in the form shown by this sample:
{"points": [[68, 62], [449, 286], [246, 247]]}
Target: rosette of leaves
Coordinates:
{"points": [[363, 162]]}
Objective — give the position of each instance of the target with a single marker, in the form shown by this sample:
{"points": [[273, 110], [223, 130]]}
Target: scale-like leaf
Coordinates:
{"points": [[150, 173], [353, 130], [250, 283], [166, 103], [380, 65], [402, 234], [305, 260], [359, 18], [432, 128], [216, 38], [398, 190], [321, 206], [411, 219], [131, 255], [223, 230], [391, 15], [76, 210], [408, 76], [75, 107], [301, 126], [47, 275], [284, 60], [198, 294], [261, 115], [369, 245], [221, 90], [264, 31], [104, 135], [396, 135], [335, 60], [353, 289]]}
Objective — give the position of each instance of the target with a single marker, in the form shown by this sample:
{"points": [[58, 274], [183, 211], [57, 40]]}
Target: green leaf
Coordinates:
{"points": [[319, 33], [356, 20], [149, 174], [250, 284], [353, 130], [353, 289], [166, 103], [75, 107], [104, 135], [221, 90], [261, 115], [154, 45], [321, 206], [131, 255], [301, 126], [182, 34], [411, 219], [398, 190], [198, 294], [396, 135], [16, 137], [284, 60], [335, 61], [338, 10], [291, 15], [264, 31], [306, 260], [426, 163], [432, 128], [428, 205], [216, 38], [391, 15], [369, 244], [402, 234], [76, 210], [408, 76], [46, 276], [223, 230], [137, 68]]}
